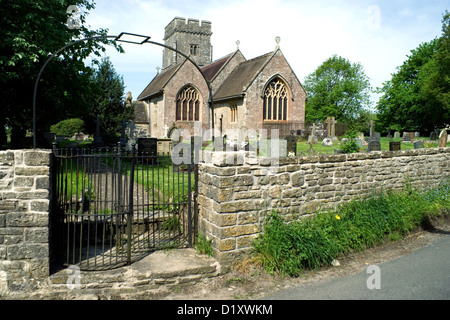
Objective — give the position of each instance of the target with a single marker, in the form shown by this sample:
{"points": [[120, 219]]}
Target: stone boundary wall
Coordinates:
{"points": [[237, 190], [24, 219]]}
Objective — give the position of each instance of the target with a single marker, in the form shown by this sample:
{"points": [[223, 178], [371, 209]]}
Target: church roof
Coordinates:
{"points": [[213, 68], [156, 86], [241, 77]]}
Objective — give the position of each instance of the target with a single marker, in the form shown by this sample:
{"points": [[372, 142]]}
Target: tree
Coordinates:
{"points": [[108, 101], [338, 88], [31, 31], [402, 105], [434, 78]]}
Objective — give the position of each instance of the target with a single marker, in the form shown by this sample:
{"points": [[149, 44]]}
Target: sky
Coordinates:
{"points": [[379, 34]]}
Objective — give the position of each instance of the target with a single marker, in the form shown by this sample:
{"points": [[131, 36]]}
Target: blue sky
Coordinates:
{"points": [[377, 33]]}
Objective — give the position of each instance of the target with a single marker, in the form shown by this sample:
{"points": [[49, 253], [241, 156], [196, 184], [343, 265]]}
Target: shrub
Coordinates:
{"points": [[68, 127]]}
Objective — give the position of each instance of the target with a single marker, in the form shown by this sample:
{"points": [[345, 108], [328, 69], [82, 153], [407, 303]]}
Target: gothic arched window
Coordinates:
{"points": [[275, 101], [188, 105]]}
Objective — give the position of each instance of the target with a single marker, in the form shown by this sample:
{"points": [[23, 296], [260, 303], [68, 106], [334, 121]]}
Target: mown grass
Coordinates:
{"points": [[290, 248]]}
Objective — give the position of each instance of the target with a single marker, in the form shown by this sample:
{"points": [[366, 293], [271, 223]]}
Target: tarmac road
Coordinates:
{"points": [[422, 275]]}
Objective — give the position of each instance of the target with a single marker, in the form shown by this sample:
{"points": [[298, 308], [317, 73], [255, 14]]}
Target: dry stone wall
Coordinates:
{"points": [[238, 190], [24, 223]]}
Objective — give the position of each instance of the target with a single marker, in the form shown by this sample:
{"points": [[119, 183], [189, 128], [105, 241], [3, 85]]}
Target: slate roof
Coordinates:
{"points": [[156, 86], [241, 77], [211, 70]]}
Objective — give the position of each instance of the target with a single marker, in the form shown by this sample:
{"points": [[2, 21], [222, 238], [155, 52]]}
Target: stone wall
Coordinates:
{"points": [[237, 190], [24, 219]]}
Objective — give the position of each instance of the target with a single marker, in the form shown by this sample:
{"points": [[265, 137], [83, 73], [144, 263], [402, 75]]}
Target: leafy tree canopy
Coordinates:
{"points": [[338, 88], [31, 31], [417, 98]]}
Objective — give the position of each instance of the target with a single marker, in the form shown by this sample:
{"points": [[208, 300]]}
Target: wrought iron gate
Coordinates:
{"points": [[112, 207]]}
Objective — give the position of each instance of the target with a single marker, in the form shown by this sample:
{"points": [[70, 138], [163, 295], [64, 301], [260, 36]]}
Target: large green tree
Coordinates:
{"points": [[108, 101], [337, 88], [31, 31], [418, 95]]}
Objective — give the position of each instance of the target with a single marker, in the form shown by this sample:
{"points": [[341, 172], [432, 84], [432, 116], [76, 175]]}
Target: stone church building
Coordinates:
{"points": [[260, 93]]}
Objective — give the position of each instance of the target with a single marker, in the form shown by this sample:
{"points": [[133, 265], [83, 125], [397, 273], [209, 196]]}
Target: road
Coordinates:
{"points": [[422, 275]]}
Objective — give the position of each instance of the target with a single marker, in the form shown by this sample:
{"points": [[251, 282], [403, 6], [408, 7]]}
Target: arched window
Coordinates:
{"points": [[188, 105], [275, 101]]}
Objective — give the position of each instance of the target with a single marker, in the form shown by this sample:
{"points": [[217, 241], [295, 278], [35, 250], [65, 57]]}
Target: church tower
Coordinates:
{"points": [[191, 37]]}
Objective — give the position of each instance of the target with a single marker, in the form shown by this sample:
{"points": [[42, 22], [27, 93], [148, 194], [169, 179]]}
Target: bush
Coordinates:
{"points": [[289, 248], [68, 127], [350, 146]]}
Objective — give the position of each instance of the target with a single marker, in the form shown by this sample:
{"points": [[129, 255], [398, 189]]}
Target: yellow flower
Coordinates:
{"points": [[337, 217]]}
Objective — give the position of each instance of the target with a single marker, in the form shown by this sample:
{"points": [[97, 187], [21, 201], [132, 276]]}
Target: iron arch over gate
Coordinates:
{"points": [[115, 207], [96, 222]]}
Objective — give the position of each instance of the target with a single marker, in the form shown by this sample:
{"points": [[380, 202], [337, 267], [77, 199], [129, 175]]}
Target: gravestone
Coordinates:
{"points": [[443, 139], [374, 145], [291, 145], [418, 144], [411, 136], [406, 137], [389, 135], [395, 146], [396, 134], [313, 135], [359, 142], [433, 136], [327, 142], [416, 134], [164, 146], [148, 146]]}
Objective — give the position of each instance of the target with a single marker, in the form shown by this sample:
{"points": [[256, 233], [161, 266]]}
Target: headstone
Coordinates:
{"points": [[389, 135], [310, 150], [313, 135], [396, 135], [123, 138], [418, 144], [443, 139], [164, 147], [359, 142], [406, 136], [333, 129], [327, 142], [411, 136], [395, 146], [371, 128], [328, 127], [98, 141], [148, 146], [291, 147], [416, 134], [374, 145], [433, 136]]}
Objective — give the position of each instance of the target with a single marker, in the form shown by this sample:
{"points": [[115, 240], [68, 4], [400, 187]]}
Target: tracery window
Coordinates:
{"points": [[188, 105], [275, 101]]}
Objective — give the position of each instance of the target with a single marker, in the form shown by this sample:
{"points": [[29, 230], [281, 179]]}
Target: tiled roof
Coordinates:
{"points": [[158, 83], [238, 81]]}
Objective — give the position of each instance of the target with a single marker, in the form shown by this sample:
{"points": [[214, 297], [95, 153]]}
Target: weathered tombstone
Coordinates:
{"points": [[148, 146], [406, 137], [328, 127], [416, 134], [411, 136], [313, 135], [327, 142], [396, 135], [166, 131], [395, 146], [164, 146], [291, 147], [359, 142], [389, 135], [376, 136], [333, 129], [418, 144], [374, 145], [443, 139], [433, 136], [310, 150], [123, 138]]}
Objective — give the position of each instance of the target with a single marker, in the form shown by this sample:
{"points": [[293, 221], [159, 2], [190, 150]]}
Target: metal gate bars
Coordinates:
{"points": [[113, 207]]}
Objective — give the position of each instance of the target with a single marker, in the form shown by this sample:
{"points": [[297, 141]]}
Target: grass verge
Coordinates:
{"points": [[310, 243]]}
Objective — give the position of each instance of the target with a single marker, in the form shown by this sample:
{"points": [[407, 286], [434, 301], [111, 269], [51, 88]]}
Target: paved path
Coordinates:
{"points": [[421, 275]]}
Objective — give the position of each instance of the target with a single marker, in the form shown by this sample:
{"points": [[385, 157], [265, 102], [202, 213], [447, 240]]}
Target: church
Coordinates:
{"points": [[255, 94]]}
